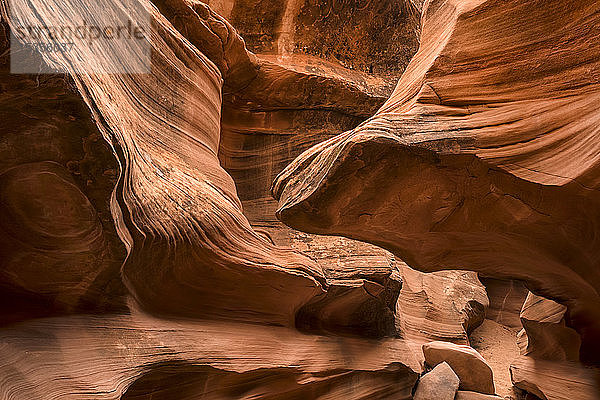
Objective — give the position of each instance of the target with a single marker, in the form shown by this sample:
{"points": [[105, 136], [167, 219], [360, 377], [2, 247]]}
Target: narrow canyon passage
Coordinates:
{"points": [[299, 199]]}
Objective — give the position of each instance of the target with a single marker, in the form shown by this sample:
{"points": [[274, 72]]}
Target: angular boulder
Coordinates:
{"points": [[440, 384], [474, 372]]}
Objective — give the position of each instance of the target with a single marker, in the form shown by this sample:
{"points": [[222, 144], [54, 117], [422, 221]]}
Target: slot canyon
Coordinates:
{"points": [[300, 199]]}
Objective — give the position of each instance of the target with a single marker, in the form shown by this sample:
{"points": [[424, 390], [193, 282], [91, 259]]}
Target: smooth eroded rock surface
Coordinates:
{"points": [[110, 357], [51, 239], [148, 242], [554, 380], [477, 161], [544, 334], [191, 251], [506, 300], [444, 305]]}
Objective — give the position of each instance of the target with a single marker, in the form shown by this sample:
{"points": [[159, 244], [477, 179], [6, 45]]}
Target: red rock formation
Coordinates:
{"points": [[544, 334], [483, 158], [377, 38], [51, 238], [445, 305], [295, 101], [175, 208], [553, 380], [130, 357], [506, 300], [59, 250]]}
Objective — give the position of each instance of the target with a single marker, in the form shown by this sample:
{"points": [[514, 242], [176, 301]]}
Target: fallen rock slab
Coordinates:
{"points": [[474, 372], [440, 384]]}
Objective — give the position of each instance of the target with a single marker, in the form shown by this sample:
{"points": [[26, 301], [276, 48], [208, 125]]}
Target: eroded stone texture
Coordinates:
{"points": [[160, 176], [295, 101], [444, 305], [167, 183], [483, 158], [373, 37], [506, 300], [544, 334], [59, 249], [190, 249], [554, 380], [130, 357], [477, 159], [51, 238]]}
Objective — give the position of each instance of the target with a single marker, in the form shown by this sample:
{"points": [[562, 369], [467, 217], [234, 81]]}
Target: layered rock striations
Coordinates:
{"points": [[142, 254], [191, 252], [141, 357], [445, 305], [544, 334], [483, 158], [189, 245], [60, 252]]}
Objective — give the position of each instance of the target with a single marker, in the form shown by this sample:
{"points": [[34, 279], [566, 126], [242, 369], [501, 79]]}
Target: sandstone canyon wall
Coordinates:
{"points": [[306, 200]]}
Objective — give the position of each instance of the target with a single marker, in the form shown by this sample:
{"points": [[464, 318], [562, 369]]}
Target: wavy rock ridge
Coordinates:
{"points": [[483, 158], [128, 357], [480, 167], [175, 208]]}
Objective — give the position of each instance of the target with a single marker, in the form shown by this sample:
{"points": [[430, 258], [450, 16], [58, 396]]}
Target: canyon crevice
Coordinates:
{"points": [[303, 200]]}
